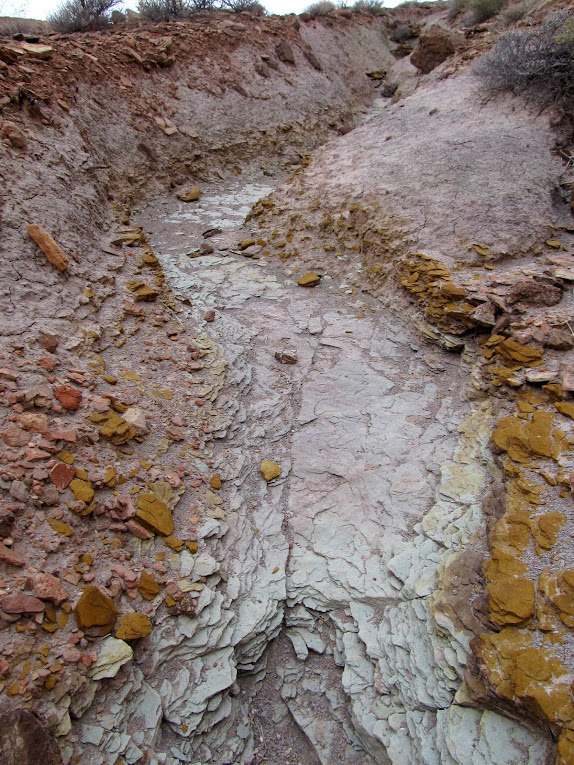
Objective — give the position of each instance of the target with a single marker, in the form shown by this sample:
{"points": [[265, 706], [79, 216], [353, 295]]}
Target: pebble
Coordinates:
{"points": [[269, 470]]}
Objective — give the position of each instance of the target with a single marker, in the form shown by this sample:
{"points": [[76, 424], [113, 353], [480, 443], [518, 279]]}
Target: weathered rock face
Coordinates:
{"points": [[432, 48], [25, 740]]}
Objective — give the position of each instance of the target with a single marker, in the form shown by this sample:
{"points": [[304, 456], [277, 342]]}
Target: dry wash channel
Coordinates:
{"points": [[287, 439]]}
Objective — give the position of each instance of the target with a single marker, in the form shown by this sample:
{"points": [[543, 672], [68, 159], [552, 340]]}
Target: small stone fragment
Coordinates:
{"points": [[41, 52], [148, 587], [48, 587], [137, 530], [113, 654], [22, 604], [96, 612], [284, 52], [269, 470], [155, 514], [14, 135], [51, 250], [286, 356], [82, 490], [133, 626], [310, 279], [60, 527], [209, 316], [8, 555], [215, 481], [62, 474], [189, 194], [135, 417], [15, 436], [70, 398], [34, 422]]}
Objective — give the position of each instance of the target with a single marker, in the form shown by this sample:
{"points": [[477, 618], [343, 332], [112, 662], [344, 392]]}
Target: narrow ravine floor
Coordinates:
{"points": [[360, 425]]}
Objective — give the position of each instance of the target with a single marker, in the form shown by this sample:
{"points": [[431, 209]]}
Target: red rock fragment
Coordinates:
{"points": [[68, 435], [62, 474], [47, 363], [36, 454], [48, 587], [48, 342], [22, 604], [137, 530], [15, 436], [68, 397], [34, 422], [10, 556], [209, 316]]}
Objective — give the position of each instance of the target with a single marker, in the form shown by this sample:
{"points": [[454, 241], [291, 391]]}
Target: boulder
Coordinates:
{"points": [[284, 52], [25, 740], [433, 47]]}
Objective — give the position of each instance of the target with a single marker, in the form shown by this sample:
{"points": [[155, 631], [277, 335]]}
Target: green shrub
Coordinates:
{"points": [[163, 10], [368, 6], [480, 11], [320, 8], [475, 11], [515, 13], [537, 63], [82, 15], [237, 6]]}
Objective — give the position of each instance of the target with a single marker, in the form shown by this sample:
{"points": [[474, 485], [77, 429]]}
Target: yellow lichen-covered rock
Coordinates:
{"points": [[511, 601], [189, 194], [511, 350], [60, 527], [154, 514], [565, 407], [309, 280], [269, 470], [566, 747], [524, 674], [545, 529], [133, 626], [562, 595], [114, 427], [148, 587], [451, 290], [82, 490], [95, 612], [523, 439]]}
